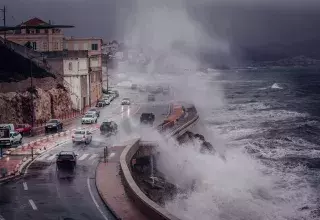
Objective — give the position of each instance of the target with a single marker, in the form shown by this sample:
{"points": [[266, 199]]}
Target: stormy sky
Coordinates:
{"points": [[243, 23]]}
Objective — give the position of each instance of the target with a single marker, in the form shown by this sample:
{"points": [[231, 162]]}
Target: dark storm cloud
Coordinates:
{"points": [[243, 23]]}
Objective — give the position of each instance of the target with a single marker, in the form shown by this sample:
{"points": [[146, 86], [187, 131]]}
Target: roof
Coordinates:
{"points": [[34, 22]]}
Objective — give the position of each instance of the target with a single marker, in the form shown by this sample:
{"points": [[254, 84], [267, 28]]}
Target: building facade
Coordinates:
{"points": [[75, 68], [41, 40], [94, 48]]}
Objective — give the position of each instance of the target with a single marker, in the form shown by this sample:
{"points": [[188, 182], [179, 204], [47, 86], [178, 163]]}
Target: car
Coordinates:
{"points": [[53, 125], [115, 93], [10, 126], [125, 101], [23, 129], [89, 118], [82, 135], [66, 160], [134, 86], [147, 118], [107, 101], [94, 110], [9, 138], [108, 127], [151, 98], [101, 104], [15, 137]]}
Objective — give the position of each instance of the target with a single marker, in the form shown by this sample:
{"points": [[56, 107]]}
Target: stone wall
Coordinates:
{"points": [[16, 107]]}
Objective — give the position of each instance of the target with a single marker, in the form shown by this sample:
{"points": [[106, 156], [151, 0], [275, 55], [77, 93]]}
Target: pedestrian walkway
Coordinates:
{"points": [[48, 157], [111, 190]]}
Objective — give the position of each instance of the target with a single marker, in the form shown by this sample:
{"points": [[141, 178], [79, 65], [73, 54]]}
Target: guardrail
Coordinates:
{"points": [[146, 205]]}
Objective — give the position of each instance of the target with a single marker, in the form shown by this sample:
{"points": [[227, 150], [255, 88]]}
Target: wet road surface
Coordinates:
{"points": [[45, 193]]}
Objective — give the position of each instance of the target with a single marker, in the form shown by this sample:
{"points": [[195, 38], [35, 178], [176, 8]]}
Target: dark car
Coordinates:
{"points": [[147, 118], [151, 98], [94, 110], [101, 104], [53, 125], [108, 127], [66, 160]]}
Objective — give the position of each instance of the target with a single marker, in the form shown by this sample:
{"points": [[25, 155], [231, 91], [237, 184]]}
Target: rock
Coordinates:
{"points": [[16, 107]]}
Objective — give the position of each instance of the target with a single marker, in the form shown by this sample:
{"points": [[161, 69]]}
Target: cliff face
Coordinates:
{"points": [[17, 107]]}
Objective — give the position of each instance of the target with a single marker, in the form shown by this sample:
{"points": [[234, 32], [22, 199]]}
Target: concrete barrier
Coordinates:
{"points": [[146, 205]]}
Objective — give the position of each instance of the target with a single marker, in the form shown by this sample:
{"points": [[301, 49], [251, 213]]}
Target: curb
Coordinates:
{"points": [[106, 204]]}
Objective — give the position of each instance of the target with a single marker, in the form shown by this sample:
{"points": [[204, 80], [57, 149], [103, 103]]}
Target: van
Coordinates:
{"points": [[10, 126]]}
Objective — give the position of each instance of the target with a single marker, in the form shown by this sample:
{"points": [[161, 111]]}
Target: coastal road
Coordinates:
{"points": [[47, 194]]}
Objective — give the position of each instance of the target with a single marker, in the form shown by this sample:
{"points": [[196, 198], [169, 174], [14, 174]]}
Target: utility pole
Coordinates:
{"points": [[4, 19]]}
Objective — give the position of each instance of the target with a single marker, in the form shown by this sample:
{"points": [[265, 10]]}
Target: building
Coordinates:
{"points": [[94, 48], [39, 39], [53, 40], [75, 68]]}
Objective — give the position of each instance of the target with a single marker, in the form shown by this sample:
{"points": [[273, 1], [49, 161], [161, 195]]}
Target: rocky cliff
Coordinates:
{"points": [[17, 107]]}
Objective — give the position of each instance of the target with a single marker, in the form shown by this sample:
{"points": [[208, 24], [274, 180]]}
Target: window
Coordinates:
{"points": [[55, 45], [70, 65], [75, 46], [34, 45], [28, 31], [45, 46], [94, 46], [46, 31], [37, 31]]}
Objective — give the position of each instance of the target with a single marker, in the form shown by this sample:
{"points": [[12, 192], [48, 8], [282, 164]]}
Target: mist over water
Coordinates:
{"points": [[240, 187]]}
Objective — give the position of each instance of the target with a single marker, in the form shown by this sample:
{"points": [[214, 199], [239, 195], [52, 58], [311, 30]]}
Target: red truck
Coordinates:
{"points": [[23, 129]]}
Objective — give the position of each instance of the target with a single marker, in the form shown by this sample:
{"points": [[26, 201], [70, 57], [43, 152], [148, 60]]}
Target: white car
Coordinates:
{"points": [[125, 101], [89, 118], [107, 100], [15, 138], [82, 136]]}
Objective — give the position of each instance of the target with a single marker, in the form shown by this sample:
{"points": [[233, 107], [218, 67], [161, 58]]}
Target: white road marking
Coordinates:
{"points": [[94, 200], [25, 186], [83, 156], [1, 218], [32, 204], [93, 156], [112, 155], [51, 157]]}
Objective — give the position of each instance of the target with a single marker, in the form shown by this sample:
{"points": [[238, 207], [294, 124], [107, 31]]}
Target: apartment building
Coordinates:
{"points": [[94, 48], [41, 40], [75, 68]]}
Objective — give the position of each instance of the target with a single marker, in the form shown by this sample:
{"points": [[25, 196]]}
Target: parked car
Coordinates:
{"points": [[89, 118], [9, 138], [134, 86], [9, 126], [5, 137], [151, 98], [147, 118], [54, 125], [108, 127], [66, 160], [82, 135], [24, 129], [15, 137], [94, 110], [101, 104], [125, 101], [115, 93]]}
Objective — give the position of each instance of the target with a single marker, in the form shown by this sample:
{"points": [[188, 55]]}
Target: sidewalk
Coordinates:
{"points": [[111, 190], [10, 164]]}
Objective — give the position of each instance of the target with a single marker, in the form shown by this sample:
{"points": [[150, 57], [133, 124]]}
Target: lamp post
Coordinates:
{"points": [[4, 20]]}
